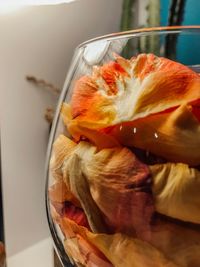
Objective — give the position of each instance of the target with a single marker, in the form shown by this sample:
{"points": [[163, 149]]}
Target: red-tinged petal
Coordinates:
{"points": [[70, 211], [76, 214], [79, 247], [196, 110], [127, 90], [110, 73]]}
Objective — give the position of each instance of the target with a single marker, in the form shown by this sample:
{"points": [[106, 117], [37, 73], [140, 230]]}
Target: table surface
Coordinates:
{"points": [[40, 254]]}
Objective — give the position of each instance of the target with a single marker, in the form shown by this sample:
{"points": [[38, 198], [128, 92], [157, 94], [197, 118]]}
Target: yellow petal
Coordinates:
{"points": [[176, 190], [61, 148], [125, 251], [174, 136], [180, 243], [171, 245], [119, 249]]}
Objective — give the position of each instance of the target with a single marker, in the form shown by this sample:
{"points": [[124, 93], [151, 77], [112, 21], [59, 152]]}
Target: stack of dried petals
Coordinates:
{"points": [[114, 207]]}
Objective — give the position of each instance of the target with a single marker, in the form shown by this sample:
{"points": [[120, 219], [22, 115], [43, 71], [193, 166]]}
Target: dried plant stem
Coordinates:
{"points": [[43, 83], [49, 114]]}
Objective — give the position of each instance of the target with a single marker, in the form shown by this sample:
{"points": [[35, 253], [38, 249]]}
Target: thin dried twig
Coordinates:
{"points": [[49, 114], [43, 83]]}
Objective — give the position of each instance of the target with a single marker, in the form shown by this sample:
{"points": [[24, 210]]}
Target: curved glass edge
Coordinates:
{"points": [[72, 68], [57, 243], [141, 32]]}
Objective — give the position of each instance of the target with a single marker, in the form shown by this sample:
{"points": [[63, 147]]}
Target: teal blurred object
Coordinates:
{"points": [[191, 17]]}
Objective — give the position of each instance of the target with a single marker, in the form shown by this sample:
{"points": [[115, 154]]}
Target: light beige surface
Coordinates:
{"points": [[38, 41], [38, 255]]}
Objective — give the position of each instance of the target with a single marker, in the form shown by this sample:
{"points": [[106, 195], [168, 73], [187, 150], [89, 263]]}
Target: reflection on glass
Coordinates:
{"points": [[123, 175]]}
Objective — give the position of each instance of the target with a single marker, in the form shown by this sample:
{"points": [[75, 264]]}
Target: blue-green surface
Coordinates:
{"points": [[188, 47]]}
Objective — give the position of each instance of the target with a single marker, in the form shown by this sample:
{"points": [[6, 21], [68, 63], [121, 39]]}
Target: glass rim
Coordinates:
{"points": [[77, 52], [139, 31]]}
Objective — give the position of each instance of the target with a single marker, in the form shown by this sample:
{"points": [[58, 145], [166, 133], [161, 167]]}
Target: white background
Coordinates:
{"points": [[38, 41]]}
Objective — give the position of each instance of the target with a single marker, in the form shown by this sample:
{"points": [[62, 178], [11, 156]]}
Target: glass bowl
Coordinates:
{"points": [[122, 168]]}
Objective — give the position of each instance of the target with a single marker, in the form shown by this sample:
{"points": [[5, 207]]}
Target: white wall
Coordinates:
{"points": [[38, 41]]}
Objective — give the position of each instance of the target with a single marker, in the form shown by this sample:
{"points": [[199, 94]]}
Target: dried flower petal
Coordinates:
{"points": [[61, 148], [171, 245], [60, 193], [176, 190], [79, 247], [119, 249], [180, 243], [113, 187], [174, 135], [120, 92], [100, 139]]}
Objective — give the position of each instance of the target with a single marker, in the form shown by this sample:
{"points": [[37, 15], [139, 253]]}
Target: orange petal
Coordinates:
{"points": [[100, 139], [120, 91]]}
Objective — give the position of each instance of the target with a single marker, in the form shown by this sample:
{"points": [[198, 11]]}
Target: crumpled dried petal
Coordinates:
{"points": [[125, 251], [126, 90], [60, 193], [100, 139], [119, 249], [69, 210], [78, 246], [113, 187], [173, 135], [170, 245], [176, 190], [61, 148], [180, 243], [79, 186]]}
